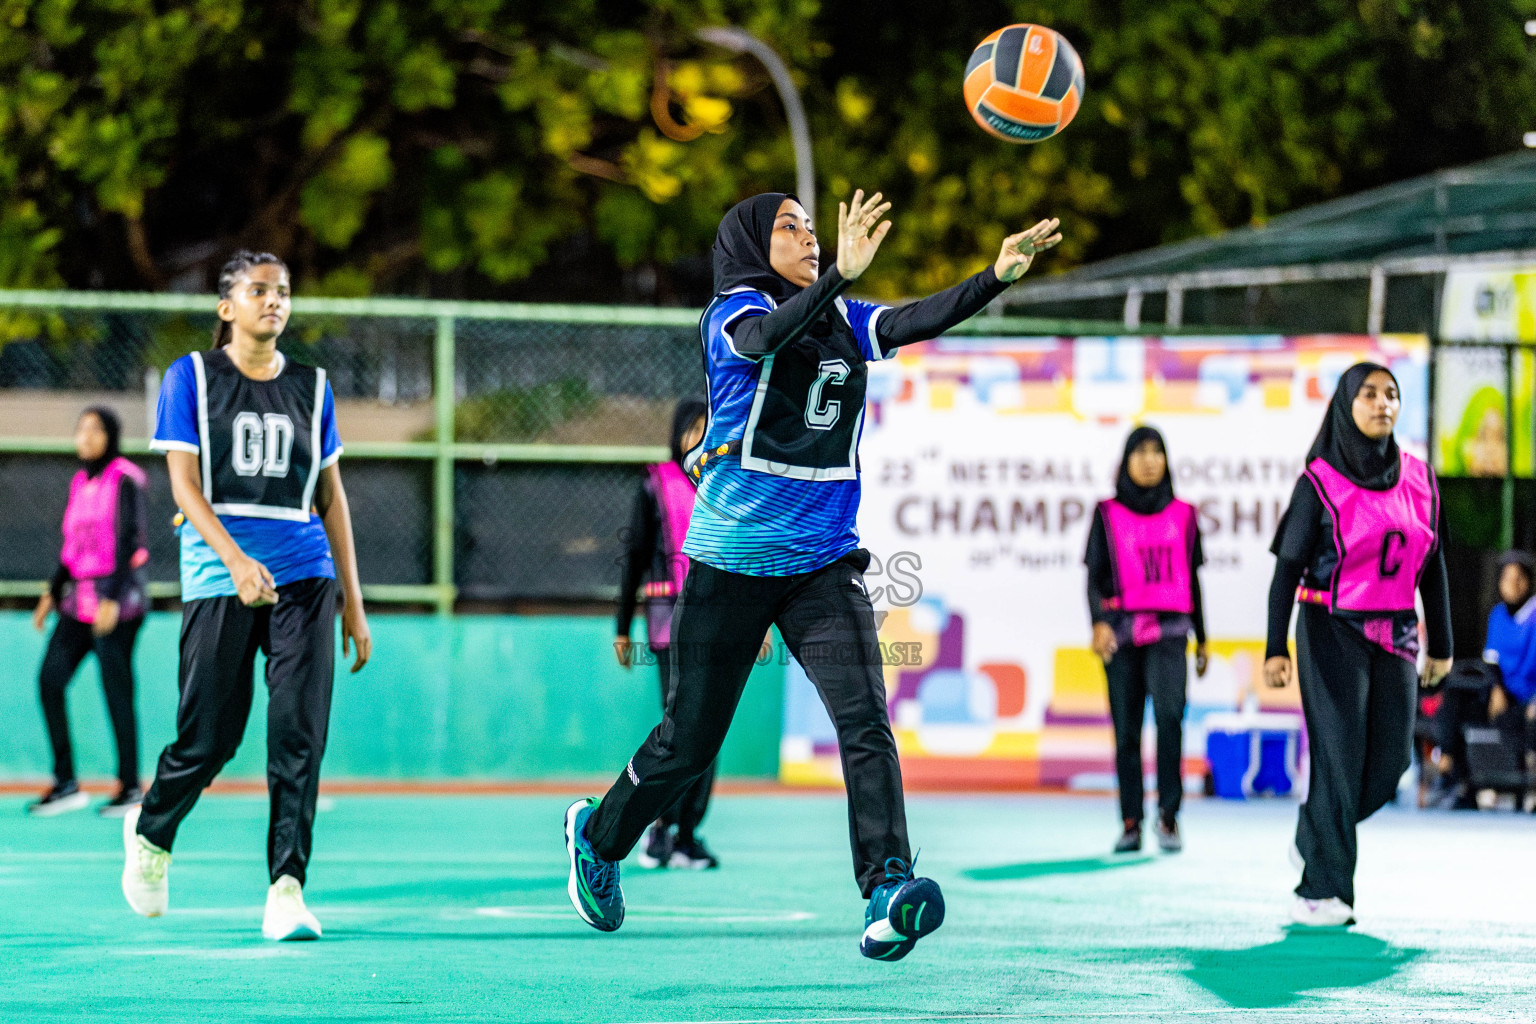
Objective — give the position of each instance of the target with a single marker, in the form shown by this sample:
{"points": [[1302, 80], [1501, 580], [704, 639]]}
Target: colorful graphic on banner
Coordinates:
{"points": [[1471, 436], [982, 462], [1489, 304]]}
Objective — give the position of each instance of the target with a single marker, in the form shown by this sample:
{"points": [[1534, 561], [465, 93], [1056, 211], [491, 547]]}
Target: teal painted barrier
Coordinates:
{"points": [[514, 698]]}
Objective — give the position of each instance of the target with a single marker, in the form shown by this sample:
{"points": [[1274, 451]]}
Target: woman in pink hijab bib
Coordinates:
{"points": [[1362, 535]]}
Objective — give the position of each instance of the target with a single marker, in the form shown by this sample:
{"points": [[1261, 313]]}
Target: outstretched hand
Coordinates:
{"points": [[1019, 250], [857, 234]]}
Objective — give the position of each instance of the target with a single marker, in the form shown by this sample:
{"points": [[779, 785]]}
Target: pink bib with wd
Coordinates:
{"points": [[1151, 557], [1383, 538]]}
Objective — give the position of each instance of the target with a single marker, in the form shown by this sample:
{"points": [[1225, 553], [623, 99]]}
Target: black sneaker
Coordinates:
{"points": [[1130, 839], [658, 847], [61, 799], [901, 910], [128, 796], [693, 855]]}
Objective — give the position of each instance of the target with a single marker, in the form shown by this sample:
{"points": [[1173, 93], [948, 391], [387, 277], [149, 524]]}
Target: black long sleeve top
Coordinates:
{"points": [[1305, 528], [643, 555], [1101, 585], [130, 530], [758, 336]]}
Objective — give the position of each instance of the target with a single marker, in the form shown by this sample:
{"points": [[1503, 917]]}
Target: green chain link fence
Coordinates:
{"points": [[515, 483]]}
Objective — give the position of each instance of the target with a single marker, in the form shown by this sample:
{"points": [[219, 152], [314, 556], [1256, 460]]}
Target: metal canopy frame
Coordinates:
{"points": [[1481, 214]]}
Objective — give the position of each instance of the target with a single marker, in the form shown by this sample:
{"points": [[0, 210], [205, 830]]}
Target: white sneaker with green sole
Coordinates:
{"points": [[287, 918], [145, 869]]}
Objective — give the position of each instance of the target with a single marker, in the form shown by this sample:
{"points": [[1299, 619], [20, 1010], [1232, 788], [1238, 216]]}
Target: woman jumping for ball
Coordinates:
{"points": [[773, 541], [1361, 535], [251, 444]]}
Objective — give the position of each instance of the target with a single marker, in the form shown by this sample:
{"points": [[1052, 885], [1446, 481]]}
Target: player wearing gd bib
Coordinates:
{"points": [[772, 541], [252, 448]]}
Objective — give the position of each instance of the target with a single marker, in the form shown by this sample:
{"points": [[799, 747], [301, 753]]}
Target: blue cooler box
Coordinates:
{"points": [[1252, 753]]}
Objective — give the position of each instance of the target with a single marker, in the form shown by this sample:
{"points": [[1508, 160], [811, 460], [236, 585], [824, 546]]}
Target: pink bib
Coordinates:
{"points": [[90, 521], [1383, 538], [674, 494], [90, 535], [1151, 557]]}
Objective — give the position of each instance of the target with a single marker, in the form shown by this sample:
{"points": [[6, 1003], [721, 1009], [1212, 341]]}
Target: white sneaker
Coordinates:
{"points": [[287, 919], [1330, 913], [145, 865]]}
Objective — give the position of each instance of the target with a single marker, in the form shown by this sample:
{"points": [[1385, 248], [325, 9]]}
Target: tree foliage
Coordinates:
{"points": [[586, 149]]}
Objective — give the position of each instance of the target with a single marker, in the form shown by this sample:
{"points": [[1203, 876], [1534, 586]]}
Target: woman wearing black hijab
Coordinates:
{"points": [[1362, 533], [99, 593], [1503, 695], [1144, 598], [653, 552], [773, 542]]}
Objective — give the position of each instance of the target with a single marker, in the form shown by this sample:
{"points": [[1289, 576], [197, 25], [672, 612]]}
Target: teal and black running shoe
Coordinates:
{"points": [[594, 885], [901, 910]]}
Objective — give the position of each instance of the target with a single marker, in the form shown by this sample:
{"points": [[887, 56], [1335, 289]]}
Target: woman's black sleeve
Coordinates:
{"points": [[1435, 589], [1282, 598], [639, 547], [931, 317], [1295, 542], [56, 584], [758, 336], [1197, 599], [130, 532], [1100, 572]]}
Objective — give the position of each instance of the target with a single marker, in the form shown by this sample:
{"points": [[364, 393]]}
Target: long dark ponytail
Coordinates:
{"points": [[238, 266]]}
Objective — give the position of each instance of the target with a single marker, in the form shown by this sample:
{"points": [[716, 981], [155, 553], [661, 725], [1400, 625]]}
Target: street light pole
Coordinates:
{"points": [[1530, 137], [737, 40]]}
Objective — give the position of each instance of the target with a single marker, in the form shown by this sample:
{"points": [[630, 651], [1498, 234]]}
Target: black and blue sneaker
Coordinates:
{"points": [[901, 910], [594, 885]]}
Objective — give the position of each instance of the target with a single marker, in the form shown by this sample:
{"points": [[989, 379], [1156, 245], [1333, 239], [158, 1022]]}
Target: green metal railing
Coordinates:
{"points": [[443, 450]]}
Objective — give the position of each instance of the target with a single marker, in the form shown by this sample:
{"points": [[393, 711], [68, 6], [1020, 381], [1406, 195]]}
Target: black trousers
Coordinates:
{"points": [[219, 640], [72, 640], [1359, 701], [690, 808], [1159, 671], [828, 623]]}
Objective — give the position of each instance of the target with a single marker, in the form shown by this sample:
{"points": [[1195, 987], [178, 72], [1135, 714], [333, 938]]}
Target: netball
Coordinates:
{"points": [[1024, 83]]}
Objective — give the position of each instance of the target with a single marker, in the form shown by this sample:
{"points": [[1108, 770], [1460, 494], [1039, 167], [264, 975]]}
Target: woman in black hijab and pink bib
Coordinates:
{"points": [[1144, 598], [1361, 536]]}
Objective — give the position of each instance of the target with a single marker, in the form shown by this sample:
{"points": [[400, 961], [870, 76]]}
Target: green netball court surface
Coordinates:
{"points": [[453, 909]]}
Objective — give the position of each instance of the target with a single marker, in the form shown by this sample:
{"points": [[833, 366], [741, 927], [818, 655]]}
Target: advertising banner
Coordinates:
{"points": [[983, 460], [1489, 304]]}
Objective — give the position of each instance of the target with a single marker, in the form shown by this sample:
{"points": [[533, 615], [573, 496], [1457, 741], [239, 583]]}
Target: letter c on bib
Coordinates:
{"points": [[1391, 562], [820, 414]]}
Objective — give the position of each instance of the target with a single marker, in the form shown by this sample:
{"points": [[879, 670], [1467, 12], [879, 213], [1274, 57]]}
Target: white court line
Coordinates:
{"points": [[32, 856], [703, 915], [1309, 1013]]}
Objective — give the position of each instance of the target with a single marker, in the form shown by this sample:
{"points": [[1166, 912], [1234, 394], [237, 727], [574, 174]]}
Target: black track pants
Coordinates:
{"points": [[1160, 671], [219, 640], [829, 625], [72, 640], [1359, 701], [690, 808]]}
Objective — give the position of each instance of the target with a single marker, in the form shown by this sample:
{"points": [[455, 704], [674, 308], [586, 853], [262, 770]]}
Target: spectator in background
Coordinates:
{"points": [[99, 593], [1506, 698], [654, 553]]}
